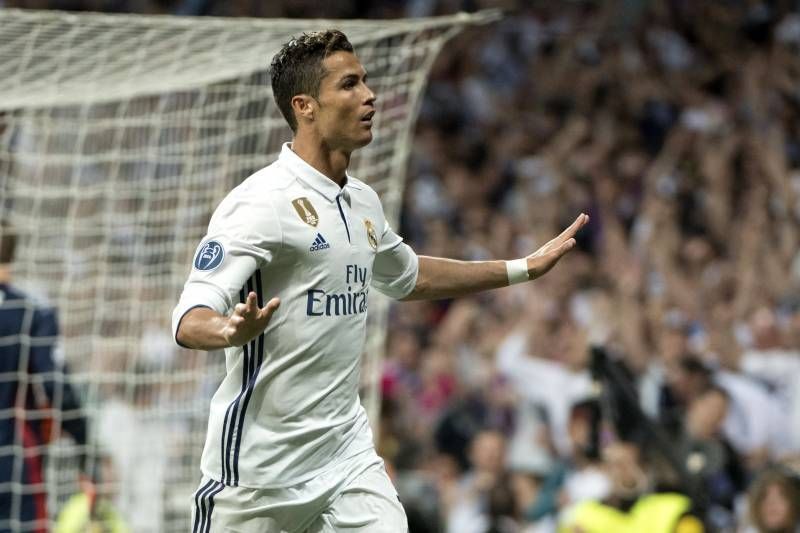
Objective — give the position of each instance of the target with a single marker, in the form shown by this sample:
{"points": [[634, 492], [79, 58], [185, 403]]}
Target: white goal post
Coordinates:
{"points": [[119, 134]]}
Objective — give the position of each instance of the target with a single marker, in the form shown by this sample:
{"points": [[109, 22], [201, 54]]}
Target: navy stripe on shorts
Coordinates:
{"points": [[204, 505]]}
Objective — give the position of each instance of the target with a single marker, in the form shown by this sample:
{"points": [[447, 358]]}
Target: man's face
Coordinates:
{"points": [[706, 415], [346, 105], [622, 462], [487, 452]]}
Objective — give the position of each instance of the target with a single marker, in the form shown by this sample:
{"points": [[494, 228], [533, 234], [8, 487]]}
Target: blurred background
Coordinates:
{"points": [[676, 126]]}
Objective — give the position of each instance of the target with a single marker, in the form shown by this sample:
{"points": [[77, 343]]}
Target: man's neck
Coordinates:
{"points": [[331, 162], [5, 274]]}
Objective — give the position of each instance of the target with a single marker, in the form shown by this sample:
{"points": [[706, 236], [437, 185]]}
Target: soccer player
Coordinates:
{"points": [[281, 282], [32, 390]]}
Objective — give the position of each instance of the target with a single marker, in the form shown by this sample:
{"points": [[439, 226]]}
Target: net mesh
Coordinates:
{"points": [[118, 137]]}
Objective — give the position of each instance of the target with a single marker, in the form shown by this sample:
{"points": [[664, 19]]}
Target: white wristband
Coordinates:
{"points": [[517, 271]]}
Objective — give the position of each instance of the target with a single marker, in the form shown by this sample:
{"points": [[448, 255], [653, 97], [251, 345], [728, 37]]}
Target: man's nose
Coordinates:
{"points": [[370, 96]]}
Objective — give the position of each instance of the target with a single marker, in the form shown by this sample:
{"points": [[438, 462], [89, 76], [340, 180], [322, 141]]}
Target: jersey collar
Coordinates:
{"points": [[313, 177]]}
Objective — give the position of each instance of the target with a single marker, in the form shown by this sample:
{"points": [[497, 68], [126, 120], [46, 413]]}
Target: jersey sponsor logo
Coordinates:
{"points": [[209, 256], [322, 303], [306, 211], [372, 236], [319, 244]]}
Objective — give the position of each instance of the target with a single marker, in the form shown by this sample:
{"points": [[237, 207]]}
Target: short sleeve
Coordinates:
{"points": [[244, 235], [394, 272]]}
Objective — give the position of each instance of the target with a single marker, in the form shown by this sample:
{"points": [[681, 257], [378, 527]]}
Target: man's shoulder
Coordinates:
{"points": [[254, 198], [273, 177], [14, 300], [359, 184], [10, 293], [363, 189], [34, 296], [261, 187]]}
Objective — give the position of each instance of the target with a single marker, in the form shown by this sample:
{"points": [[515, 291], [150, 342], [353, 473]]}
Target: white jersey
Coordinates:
{"points": [[288, 407]]}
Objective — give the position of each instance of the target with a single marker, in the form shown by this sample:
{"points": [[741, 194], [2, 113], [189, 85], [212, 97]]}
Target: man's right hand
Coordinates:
{"points": [[248, 320], [202, 328]]}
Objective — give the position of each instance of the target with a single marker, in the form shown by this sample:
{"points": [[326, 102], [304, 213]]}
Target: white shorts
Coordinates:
{"points": [[357, 496]]}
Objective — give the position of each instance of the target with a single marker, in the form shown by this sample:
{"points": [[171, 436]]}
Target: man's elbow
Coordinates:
{"points": [[183, 328], [200, 328], [181, 338], [418, 292]]}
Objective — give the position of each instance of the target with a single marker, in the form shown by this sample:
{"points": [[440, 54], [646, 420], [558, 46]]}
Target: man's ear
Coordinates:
{"points": [[304, 107]]}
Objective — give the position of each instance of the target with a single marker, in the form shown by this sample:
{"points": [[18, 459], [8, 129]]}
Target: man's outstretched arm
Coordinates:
{"points": [[448, 278]]}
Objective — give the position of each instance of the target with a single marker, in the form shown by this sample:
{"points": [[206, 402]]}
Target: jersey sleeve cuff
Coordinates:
{"points": [[197, 295], [177, 326], [410, 279], [403, 284]]}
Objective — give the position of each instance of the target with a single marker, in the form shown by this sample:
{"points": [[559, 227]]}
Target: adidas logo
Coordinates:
{"points": [[319, 244]]}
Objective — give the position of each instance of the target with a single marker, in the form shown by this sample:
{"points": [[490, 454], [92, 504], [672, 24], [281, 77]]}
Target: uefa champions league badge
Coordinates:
{"points": [[209, 256]]}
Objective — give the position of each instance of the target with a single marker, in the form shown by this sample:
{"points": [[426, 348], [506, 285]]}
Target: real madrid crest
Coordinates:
{"points": [[306, 211], [372, 237]]}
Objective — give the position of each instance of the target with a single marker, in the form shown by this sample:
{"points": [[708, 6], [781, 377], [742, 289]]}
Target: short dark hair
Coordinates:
{"points": [[692, 364], [297, 67]]}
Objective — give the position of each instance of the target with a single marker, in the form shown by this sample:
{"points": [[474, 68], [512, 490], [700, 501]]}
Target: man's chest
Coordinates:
{"points": [[339, 237]]}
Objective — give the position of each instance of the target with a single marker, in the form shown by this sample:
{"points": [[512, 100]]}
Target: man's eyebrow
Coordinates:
{"points": [[352, 75]]}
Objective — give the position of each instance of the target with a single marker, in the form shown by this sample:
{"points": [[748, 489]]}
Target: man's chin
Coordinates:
{"points": [[351, 143], [365, 140]]}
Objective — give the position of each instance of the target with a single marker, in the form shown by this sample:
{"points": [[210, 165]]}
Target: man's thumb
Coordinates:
{"points": [[271, 306]]}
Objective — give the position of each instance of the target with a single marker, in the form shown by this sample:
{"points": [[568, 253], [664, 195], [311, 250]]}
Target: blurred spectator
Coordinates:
{"points": [[37, 402], [709, 454], [473, 506], [126, 424], [775, 360], [774, 502], [586, 479], [752, 422], [92, 509], [630, 505]]}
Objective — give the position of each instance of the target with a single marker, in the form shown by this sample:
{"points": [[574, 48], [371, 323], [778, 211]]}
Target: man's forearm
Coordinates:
{"points": [[202, 329], [447, 278]]}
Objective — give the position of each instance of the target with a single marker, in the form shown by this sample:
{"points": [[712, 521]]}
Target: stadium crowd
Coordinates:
{"points": [[676, 126]]}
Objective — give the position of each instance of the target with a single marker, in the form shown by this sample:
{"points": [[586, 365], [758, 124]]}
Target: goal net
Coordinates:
{"points": [[119, 135]]}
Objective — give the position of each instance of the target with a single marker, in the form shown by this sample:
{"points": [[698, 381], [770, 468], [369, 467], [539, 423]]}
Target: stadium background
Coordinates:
{"points": [[676, 126]]}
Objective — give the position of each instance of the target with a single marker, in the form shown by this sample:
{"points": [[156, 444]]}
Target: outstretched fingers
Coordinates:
{"points": [[248, 320], [554, 245], [573, 228], [248, 308], [266, 312], [252, 305], [565, 247]]}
